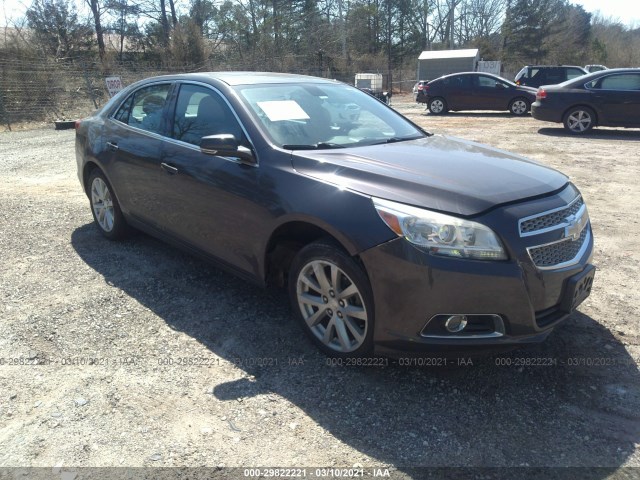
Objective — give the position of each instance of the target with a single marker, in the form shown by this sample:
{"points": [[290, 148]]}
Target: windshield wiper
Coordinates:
{"points": [[314, 146], [396, 139]]}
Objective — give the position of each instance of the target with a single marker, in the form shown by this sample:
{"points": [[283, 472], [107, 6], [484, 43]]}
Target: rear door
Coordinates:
{"points": [[617, 98], [459, 92], [135, 138]]}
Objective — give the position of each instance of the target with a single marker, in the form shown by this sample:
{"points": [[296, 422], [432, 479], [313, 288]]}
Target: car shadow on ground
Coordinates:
{"points": [[571, 401], [595, 134]]}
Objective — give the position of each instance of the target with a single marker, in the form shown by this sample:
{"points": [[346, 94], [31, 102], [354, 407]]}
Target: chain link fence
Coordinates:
{"points": [[47, 91], [37, 91]]}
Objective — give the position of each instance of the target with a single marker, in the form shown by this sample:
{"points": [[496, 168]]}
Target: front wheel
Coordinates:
{"points": [[519, 106], [437, 106], [331, 298], [579, 120], [105, 208]]}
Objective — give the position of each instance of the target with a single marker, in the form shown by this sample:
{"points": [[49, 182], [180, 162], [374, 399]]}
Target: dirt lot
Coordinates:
{"points": [[135, 354]]}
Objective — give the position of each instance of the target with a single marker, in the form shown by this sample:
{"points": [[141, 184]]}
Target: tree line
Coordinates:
{"points": [[325, 37]]}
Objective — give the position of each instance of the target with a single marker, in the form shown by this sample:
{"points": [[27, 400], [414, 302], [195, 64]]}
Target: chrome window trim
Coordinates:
{"points": [[575, 260], [126, 126], [578, 214], [195, 148]]}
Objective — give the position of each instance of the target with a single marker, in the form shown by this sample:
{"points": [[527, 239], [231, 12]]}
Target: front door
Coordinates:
{"points": [[210, 202]]}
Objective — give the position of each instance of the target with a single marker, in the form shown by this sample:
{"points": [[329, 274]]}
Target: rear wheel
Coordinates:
{"points": [[519, 106], [579, 120], [331, 298], [105, 208], [437, 106]]}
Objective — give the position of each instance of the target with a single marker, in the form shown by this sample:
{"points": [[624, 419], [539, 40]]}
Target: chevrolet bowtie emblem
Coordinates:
{"points": [[575, 225]]}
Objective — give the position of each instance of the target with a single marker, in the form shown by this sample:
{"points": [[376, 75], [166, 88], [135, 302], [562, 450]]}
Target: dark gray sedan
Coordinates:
{"points": [[475, 91], [606, 98], [388, 238]]}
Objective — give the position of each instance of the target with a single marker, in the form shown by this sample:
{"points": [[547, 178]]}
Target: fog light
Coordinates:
{"points": [[456, 323]]}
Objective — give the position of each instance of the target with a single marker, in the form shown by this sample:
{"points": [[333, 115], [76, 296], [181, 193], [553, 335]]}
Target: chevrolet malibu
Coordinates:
{"points": [[389, 238]]}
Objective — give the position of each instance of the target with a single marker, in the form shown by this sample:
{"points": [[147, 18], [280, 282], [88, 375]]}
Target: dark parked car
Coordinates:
{"points": [[536, 75], [476, 91], [605, 98], [389, 238]]}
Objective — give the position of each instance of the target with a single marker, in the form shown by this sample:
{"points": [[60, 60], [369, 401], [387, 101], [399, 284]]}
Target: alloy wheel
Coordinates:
{"points": [[332, 306], [519, 107], [102, 204], [579, 121], [436, 106]]}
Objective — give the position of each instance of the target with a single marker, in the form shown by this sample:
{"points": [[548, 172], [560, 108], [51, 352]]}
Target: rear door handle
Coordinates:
{"points": [[112, 146], [170, 169]]}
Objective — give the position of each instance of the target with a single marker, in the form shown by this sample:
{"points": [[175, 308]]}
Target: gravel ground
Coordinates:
{"points": [[135, 354]]}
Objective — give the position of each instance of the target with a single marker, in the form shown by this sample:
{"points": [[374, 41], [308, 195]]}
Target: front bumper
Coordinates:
{"points": [[411, 287]]}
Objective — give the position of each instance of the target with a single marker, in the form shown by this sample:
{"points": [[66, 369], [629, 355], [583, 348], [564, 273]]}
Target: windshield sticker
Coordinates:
{"points": [[278, 110]]}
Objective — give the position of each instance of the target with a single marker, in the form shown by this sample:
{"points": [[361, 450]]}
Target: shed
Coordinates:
{"points": [[435, 63]]}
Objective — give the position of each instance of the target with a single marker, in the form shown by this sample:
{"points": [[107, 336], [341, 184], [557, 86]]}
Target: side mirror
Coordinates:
{"points": [[226, 145], [500, 86]]}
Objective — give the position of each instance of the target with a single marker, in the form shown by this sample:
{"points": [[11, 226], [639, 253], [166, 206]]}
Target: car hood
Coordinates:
{"points": [[437, 172]]}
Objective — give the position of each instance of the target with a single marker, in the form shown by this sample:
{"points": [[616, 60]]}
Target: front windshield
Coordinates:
{"points": [[317, 116]]}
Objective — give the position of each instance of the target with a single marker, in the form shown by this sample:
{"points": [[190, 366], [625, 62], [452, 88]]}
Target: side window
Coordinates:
{"points": [[573, 73], [536, 73], [201, 112], [145, 108], [123, 112], [555, 75], [486, 82], [461, 81], [629, 81]]}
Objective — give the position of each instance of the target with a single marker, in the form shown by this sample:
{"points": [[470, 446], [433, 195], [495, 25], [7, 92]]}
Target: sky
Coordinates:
{"points": [[626, 11]]}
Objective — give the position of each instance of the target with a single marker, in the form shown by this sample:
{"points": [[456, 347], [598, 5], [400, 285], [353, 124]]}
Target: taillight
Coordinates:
{"points": [[420, 87], [541, 94], [78, 122]]}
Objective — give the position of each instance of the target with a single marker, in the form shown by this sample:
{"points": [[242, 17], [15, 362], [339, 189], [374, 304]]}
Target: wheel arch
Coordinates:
{"points": [[288, 238], [88, 167]]}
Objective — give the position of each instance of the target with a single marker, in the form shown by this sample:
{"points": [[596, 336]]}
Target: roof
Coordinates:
{"points": [[251, 78], [464, 53]]}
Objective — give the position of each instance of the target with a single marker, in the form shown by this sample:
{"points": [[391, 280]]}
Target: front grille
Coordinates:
{"points": [[549, 220], [558, 253]]}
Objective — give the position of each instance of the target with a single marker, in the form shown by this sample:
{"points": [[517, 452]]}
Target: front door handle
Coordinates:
{"points": [[170, 169], [112, 146]]}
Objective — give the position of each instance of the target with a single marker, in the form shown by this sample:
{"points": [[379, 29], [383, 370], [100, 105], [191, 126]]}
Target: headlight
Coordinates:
{"points": [[441, 234]]}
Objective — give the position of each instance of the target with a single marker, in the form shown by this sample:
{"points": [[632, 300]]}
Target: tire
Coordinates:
{"points": [[331, 299], [437, 106], [105, 207], [579, 120], [519, 106]]}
